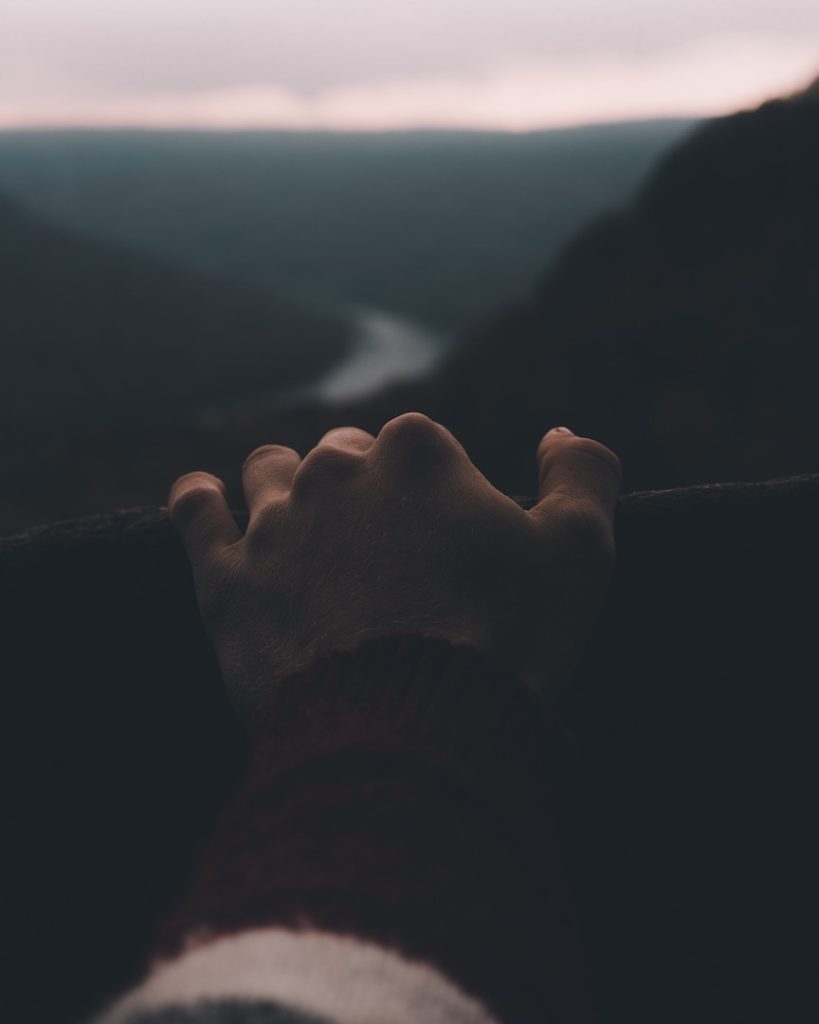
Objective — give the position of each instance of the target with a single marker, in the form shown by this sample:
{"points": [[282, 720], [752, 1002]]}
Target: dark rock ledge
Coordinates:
{"points": [[684, 777]]}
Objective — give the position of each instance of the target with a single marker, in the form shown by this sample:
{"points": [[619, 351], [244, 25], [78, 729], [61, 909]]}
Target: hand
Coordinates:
{"points": [[399, 533]]}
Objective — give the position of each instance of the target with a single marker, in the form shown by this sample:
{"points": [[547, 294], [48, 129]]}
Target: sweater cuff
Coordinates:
{"points": [[398, 796]]}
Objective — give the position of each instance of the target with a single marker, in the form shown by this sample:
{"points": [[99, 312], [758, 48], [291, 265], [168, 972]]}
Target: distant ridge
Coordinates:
{"points": [[435, 226], [93, 336], [682, 331]]}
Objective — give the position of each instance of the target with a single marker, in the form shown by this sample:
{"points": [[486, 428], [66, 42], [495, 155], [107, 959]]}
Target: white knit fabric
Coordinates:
{"points": [[336, 977]]}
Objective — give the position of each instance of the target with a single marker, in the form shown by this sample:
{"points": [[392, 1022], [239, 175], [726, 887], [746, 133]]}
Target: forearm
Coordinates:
{"points": [[399, 799]]}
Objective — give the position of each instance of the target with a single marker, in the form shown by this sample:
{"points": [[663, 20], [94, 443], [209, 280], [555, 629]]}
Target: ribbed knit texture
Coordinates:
{"points": [[400, 796]]}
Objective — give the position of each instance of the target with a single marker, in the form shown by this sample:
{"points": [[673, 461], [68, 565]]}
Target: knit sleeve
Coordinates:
{"points": [[389, 857]]}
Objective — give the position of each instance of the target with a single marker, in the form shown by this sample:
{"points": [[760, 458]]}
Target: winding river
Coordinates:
{"points": [[389, 348]]}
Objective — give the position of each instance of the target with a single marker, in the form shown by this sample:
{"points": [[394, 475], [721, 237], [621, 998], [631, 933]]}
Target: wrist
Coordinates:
{"points": [[402, 683]]}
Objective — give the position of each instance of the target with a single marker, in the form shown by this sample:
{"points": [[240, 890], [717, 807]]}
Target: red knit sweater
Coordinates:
{"points": [[392, 843]]}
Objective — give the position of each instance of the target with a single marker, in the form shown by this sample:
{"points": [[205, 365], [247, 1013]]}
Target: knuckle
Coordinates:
{"points": [[342, 436], [412, 432], [267, 449], [323, 465]]}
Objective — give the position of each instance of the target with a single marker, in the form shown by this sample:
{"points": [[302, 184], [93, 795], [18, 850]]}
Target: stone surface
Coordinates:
{"points": [[683, 783]]}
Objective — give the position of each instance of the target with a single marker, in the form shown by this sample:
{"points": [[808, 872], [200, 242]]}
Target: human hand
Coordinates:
{"points": [[399, 533]]}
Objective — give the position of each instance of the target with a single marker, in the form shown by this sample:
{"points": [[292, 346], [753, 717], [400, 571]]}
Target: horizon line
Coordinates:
{"points": [[421, 129]]}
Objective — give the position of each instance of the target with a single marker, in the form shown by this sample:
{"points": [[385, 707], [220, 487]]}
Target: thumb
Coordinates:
{"points": [[576, 473]]}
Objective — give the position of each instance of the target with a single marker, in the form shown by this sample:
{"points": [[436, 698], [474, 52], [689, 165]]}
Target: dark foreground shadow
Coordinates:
{"points": [[684, 780]]}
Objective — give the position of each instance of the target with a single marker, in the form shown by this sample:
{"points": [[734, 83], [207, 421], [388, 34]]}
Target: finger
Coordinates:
{"points": [[201, 516], [267, 474], [577, 471], [350, 438], [413, 439]]}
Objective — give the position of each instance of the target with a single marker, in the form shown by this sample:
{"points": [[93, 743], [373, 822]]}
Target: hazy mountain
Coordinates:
{"points": [[436, 226], [683, 330], [92, 336]]}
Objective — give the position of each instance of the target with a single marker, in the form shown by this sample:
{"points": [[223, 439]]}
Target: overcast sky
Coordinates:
{"points": [[395, 63]]}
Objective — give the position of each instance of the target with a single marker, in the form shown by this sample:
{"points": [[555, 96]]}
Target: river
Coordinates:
{"points": [[388, 348]]}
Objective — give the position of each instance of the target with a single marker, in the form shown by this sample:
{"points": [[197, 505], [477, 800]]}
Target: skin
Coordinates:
{"points": [[399, 533]]}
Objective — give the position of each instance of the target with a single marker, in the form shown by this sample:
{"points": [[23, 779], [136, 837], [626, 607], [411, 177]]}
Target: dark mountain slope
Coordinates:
{"points": [[682, 331], [93, 336]]}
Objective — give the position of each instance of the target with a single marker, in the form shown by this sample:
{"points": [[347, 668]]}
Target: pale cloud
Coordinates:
{"points": [[704, 77], [130, 47]]}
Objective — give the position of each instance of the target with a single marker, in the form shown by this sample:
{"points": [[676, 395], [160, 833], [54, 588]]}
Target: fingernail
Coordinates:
{"points": [[561, 430]]}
